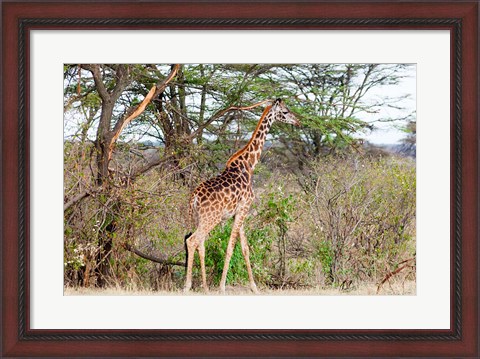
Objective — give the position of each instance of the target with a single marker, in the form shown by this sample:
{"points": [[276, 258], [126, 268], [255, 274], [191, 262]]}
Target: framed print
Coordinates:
{"points": [[58, 53]]}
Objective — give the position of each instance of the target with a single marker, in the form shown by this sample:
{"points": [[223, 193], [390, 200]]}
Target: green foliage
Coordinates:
{"points": [[216, 247], [259, 240], [279, 209], [325, 255]]}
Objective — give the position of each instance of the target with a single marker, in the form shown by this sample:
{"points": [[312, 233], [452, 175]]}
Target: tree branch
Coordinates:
{"points": [[163, 84], [391, 274], [220, 113], [153, 93], [121, 124], [122, 81], [150, 165], [76, 199], [165, 261], [97, 77]]}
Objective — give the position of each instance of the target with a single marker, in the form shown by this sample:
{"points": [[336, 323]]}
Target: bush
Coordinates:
{"points": [[362, 214]]}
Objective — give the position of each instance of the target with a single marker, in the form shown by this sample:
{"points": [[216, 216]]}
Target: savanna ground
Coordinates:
{"points": [[330, 217], [396, 288]]}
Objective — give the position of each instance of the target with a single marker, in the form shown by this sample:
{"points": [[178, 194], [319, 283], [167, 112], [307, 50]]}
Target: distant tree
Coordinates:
{"points": [[409, 143], [411, 131]]}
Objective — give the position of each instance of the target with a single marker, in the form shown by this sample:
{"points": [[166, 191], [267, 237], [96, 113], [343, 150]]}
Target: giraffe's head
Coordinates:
{"points": [[282, 114]]}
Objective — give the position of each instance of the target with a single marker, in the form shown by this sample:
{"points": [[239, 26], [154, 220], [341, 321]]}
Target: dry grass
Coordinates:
{"points": [[405, 288]]}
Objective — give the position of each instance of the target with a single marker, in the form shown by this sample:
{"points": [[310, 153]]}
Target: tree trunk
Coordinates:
{"points": [[103, 256], [107, 135]]}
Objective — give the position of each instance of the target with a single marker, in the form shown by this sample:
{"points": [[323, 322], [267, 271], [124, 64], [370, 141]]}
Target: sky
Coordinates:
{"points": [[389, 132]]}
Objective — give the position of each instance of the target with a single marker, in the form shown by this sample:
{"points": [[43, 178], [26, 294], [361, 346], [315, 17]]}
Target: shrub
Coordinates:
{"points": [[362, 213]]}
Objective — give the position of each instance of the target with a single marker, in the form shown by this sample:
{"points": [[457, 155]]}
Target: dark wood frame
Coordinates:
{"points": [[461, 340]]}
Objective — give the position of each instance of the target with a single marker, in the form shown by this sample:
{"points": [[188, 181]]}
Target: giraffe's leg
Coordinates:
{"points": [[192, 244], [246, 255], [228, 256], [201, 253], [237, 223]]}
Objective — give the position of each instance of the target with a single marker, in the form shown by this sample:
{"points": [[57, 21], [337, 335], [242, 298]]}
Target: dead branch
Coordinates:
{"points": [[120, 125], [165, 261], [76, 199], [154, 92], [396, 271]]}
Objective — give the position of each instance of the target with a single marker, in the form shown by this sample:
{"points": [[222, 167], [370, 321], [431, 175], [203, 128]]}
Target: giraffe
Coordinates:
{"points": [[230, 194]]}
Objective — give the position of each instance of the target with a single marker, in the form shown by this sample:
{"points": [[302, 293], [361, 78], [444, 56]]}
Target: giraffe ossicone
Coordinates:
{"points": [[230, 194]]}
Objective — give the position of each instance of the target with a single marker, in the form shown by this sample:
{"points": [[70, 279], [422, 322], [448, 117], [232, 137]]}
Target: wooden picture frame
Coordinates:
{"points": [[461, 19]]}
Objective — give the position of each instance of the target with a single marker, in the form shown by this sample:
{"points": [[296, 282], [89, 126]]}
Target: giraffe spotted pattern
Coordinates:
{"points": [[230, 194]]}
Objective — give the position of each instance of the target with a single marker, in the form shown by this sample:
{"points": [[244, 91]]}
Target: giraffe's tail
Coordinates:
{"points": [[186, 249]]}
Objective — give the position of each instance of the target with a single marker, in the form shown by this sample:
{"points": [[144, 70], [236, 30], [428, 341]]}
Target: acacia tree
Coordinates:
{"points": [[329, 99], [110, 83]]}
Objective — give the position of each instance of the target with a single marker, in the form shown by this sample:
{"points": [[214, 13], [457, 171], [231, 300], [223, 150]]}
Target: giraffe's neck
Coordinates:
{"points": [[250, 154]]}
